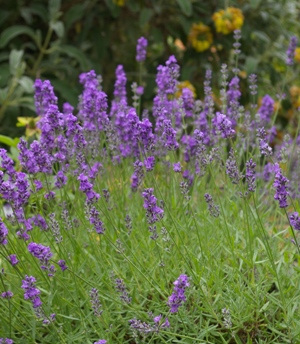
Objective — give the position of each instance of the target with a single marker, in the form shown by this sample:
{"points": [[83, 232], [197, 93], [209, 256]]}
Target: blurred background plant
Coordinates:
{"points": [[59, 40]]}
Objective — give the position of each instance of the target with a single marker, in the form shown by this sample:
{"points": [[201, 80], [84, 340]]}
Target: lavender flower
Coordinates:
{"points": [[169, 136], [266, 110], [31, 292], [13, 259], [295, 221], [149, 163], [121, 288], [177, 167], [141, 49], [250, 175], [265, 149], [43, 254], [7, 341], [178, 297], [3, 233], [153, 212], [96, 305], [213, 209], [291, 51], [101, 341], [94, 218], [87, 188], [232, 169], [280, 185], [62, 264], [7, 295], [223, 125]]}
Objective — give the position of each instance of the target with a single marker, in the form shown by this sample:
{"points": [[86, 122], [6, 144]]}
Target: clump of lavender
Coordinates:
{"points": [[280, 185], [96, 305], [43, 254], [250, 175], [178, 296], [213, 209], [141, 47], [290, 53], [121, 288], [153, 212]]}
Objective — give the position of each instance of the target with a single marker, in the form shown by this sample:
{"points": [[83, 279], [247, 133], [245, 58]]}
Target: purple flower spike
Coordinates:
{"points": [[141, 49], [101, 341], [291, 51], [62, 264], [280, 185], [178, 298], [177, 167], [43, 254], [223, 125], [13, 259], [7, 295], [149, 163], [250, 175], [3, 233], [153, 212], [295, 221]]}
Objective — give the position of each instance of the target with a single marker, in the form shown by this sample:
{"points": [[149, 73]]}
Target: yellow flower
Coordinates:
{"points": [[182, 85], [200, 37], [119, 3], [228, 20], [297, 55]]}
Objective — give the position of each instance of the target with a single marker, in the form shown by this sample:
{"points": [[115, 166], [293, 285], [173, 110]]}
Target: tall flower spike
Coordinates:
{"points": [[178, 297], [141, 47], [280, 185], [290, 53], [153, 212]]}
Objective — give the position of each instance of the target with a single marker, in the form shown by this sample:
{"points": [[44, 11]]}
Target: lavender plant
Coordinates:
{"points": [[221, 263]]}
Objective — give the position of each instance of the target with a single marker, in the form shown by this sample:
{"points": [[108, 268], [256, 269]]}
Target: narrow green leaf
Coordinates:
{"points": [[186, 6], [14, 31]]}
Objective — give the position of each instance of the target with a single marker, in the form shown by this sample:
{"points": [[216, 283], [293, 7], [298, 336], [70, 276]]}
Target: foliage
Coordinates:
{"points": [[58, 40]]}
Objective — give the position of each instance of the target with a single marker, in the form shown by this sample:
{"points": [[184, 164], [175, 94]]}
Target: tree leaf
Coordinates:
{"points": [[14, 31], [186, 6]]}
